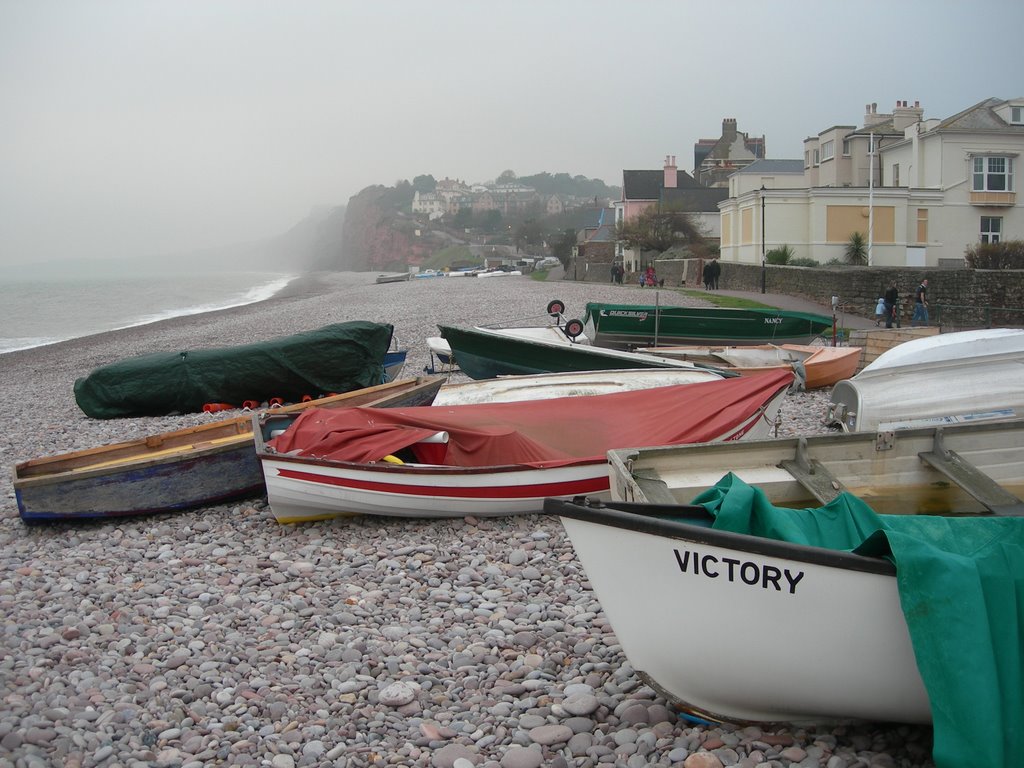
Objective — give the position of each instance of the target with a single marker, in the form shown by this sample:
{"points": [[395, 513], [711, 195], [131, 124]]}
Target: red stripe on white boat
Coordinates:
{"points": [[534, 490]]}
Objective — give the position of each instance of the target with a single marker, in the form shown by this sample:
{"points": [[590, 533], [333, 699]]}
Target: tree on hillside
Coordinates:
{"points": [[506, 177], [658, 230], [561, 247], [399, 197], [463, 218], [529, 233], [491, 221], [426, 183]]}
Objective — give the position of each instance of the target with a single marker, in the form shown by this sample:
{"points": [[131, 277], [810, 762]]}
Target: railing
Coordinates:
{"points": [[959, 317]]}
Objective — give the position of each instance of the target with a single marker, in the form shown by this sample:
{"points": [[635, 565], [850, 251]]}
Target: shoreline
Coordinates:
{"points": [[300, 286], [218, 636]]}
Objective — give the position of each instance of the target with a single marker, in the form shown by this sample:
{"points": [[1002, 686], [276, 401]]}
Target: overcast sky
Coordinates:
{"points": [[149, 127]]}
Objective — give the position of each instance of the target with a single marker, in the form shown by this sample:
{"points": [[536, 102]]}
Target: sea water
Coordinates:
{"points": [[35, 310]]}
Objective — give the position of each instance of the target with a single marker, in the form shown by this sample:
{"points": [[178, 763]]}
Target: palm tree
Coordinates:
{"points": [[856, 249]]}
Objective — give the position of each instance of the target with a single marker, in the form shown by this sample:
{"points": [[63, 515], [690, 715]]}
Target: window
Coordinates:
{"points": [[817, 157], [807, 159], [895, 174], [993, 174], [991, 229], [1017, 115], [846, 147], [828, 150], [922, 225]]}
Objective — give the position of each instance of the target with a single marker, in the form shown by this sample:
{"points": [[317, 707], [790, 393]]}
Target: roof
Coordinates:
{"points": [[774, 166], [603, 234], [647, 185], [591, 218], [696, 199], [980, 117]]}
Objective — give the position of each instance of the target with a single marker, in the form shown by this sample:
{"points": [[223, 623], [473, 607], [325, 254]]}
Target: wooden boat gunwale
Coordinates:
{"points": [[171, 471], [81, 460]]}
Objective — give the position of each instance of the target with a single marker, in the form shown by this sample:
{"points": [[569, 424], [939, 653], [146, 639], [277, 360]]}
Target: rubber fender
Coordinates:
{"points": [[216, 407]]}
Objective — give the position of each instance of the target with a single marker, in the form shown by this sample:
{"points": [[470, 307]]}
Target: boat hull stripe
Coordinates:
{"points": [[577, 487]]}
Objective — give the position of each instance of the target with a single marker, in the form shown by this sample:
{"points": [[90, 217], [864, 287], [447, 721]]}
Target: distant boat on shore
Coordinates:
{"points": [[396, 277]]}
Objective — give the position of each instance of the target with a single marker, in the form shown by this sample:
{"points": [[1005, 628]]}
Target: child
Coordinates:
{"points": [[880, 311]]}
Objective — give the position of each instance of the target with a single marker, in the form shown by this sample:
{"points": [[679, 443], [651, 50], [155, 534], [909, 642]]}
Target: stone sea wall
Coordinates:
{"points": [[958, 298]]}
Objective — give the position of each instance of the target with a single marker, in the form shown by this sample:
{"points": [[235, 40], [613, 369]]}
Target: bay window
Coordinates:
{"points": [[992, 174]]}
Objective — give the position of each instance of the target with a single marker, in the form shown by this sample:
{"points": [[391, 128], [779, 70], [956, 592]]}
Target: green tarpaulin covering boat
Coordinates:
{"points": [[334, 359]]}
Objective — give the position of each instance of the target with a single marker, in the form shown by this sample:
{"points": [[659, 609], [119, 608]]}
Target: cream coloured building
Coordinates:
{"points": [[920, 191]]}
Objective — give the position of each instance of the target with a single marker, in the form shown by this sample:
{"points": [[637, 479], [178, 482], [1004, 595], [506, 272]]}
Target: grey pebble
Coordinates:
{"points": [[218, 637]]}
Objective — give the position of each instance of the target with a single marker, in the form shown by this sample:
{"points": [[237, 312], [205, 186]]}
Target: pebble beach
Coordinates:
{"points": [[217, 637]]}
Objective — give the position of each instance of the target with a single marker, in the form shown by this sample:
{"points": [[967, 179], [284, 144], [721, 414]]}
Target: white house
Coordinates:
{"points": [[919, 191], [430, 203]]}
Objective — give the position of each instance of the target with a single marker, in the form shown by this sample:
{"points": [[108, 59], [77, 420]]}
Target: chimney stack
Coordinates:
{"points": [[671, 174], [904, 116]]}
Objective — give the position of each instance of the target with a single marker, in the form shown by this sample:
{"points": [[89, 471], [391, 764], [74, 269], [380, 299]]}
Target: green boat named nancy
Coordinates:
{"points": [[628, 326]]}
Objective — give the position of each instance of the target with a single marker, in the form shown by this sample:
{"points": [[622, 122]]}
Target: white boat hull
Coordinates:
{"points": [[963, 345], [303, 489], [994, 390], [957, 377], [735, 634], [509, 389]]}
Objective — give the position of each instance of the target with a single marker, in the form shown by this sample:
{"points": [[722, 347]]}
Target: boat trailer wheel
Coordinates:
{"points": [[573, 328], [556, 308]]}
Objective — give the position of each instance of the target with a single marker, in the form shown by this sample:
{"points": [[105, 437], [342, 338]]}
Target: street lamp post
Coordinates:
{"points": [[764, 262]]}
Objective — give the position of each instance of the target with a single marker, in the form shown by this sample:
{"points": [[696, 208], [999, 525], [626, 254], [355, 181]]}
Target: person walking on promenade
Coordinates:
{"points": [[892, 298], [879, 311], [920, 304]]}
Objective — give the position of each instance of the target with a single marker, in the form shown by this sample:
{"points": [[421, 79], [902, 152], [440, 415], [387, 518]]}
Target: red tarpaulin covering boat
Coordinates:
{"points": [[492, 459]]}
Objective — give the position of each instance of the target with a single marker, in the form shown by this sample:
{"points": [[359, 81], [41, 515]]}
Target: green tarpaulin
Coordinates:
{"points": [[333, 359], [961, 585]]}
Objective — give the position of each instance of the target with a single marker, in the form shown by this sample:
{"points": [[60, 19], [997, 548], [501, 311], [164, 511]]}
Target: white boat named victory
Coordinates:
{"points": [[767, 535]]}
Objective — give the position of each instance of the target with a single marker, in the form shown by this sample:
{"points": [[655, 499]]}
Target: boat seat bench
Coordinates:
{"points": [[812, 474], [983, 488], [815, 477], [655, 489]]}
